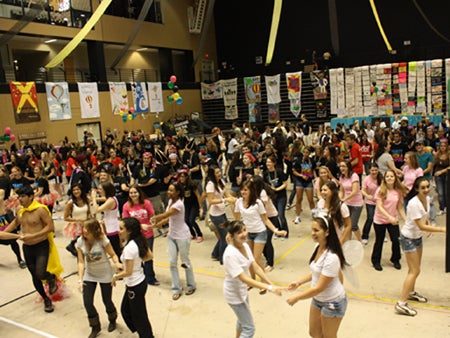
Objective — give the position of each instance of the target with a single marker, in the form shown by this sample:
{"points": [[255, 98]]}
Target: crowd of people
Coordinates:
{"points": [[139, 186]]}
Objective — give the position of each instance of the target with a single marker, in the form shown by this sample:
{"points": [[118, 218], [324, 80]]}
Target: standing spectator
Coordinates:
{"points": [[389, 199], [355, 158], [94, 268], [366, 153], [384, 159], [370, 185], [411, 170], [417, 222], [179, 240], [441, 167], [141, 208], [135, 252], [426, 162], [110, 210], [277, 179], [192, 204], [350, 194], [304, 173], [398, 150]]}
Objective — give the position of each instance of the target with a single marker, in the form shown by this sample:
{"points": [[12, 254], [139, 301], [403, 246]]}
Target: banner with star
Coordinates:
{"points": [[25, 102]]}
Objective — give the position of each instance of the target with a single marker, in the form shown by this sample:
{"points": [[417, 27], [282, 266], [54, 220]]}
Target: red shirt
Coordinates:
{"points": [[355, 152]]}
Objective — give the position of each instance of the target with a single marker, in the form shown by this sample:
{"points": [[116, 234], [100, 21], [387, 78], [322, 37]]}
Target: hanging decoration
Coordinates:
{"points": [[25, 102], [8, 135], [65, 52], [175, 96], [278, 4], [380, 27], [127, 114]]}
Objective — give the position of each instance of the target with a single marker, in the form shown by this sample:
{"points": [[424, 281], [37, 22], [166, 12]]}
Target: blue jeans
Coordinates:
{"points": [[244, 319], [221, 244], [180, 246], [370, 209], [441, 187], [280, 204], [148, 265]]}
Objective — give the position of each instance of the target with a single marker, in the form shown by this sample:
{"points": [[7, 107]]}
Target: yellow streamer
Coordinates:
{"points": [[80, 36], [380, 27], [273, 30]]}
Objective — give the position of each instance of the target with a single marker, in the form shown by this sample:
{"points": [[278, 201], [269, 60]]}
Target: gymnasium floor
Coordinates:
{"points": [[205, 314]]}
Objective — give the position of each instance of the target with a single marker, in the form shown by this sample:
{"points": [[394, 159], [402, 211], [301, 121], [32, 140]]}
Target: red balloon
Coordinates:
{"points": [[173, 79], [7, 131], [12, 137]]}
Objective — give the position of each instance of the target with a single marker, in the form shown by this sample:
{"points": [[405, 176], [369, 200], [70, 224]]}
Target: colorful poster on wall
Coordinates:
{"points": [[25, 102], [155, 96], [319, 83], [58, 100], [139, 90], [273, 89], [254, 112], [89, 100], [119, 97], [229, 90], [211, 91]]}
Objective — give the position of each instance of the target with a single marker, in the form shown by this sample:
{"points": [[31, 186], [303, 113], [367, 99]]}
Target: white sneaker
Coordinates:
{"points": [[433, 223], [297, 220], [440, 213], [365, 241]]}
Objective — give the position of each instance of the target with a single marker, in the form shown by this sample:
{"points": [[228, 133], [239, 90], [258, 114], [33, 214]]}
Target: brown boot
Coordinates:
{"points": [[112, 321], [95, 325]]}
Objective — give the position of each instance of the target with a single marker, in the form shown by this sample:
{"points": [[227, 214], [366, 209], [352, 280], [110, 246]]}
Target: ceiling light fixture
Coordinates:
{"points": [[141, 49], [51, 40]]}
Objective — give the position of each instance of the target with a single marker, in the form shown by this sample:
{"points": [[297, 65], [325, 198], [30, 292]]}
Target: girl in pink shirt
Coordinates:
{"points": [[369, 186], [411, 170], [389, 198], [350, 194]]}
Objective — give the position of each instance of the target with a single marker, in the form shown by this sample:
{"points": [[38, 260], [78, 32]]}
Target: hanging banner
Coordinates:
{"points": [[229, 90], [254, 112], [437, 90], [89, 100], [274, 112], [139, 90], [119, 97], [58, 100], [294, 87], [155, 96], [273, 89], [252, 86], [25, 102], [349, 91], [421, 85], [319, 83], [412, 81], [211, 91], [447, 82]]}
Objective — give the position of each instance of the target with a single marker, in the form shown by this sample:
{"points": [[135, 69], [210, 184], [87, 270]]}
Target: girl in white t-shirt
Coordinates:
{"points": [[329, 300], [93, 249], [178, 238], [417, 222], [389, 199], [135, 252], [238, 261], [251, 210]]}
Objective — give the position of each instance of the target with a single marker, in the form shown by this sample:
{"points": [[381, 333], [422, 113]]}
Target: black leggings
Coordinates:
{"points": [[115, 243], [36, 257], [88, 298], [134, 310], [191, 212]]}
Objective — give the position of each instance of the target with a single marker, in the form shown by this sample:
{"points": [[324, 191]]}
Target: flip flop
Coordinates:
{"points": [[176, 296], [190, 292]]}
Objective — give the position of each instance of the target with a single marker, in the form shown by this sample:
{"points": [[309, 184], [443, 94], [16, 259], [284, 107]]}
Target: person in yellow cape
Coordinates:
{"points": [[39, 249]]}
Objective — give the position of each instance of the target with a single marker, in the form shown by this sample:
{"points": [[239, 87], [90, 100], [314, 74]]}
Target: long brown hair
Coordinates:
{"points": [[398, 186]]}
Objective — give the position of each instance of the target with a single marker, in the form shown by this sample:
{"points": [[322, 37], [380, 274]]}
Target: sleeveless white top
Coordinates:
{"points": [[111, 219]]}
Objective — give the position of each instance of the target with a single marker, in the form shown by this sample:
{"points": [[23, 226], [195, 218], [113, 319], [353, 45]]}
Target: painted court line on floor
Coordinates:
{"points": [[27, 328]]}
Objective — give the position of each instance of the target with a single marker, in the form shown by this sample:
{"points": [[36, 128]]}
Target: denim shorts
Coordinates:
{"points": [[410, 244], [258, 237], [302, 184], [334, 309]]}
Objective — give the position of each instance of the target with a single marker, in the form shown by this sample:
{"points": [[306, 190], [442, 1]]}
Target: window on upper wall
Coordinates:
{"points": [[132, 8], [71, 13]]}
